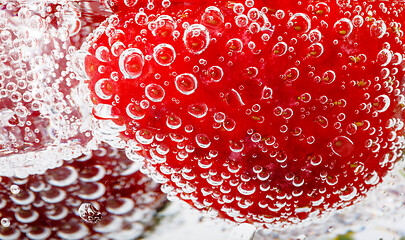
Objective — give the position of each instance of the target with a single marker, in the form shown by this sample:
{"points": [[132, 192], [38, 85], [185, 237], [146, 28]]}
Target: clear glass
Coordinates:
{"points": [[41, 123]]}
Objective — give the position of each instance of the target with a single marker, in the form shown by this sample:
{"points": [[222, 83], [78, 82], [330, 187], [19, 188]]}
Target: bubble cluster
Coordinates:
{"points": [[371, 213], [254, 114], [41, 123]]}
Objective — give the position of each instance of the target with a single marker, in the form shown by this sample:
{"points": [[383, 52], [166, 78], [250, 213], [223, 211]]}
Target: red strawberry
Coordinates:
{"points": [[97, 196], [40, 120], [131, 5], [266, 112]]}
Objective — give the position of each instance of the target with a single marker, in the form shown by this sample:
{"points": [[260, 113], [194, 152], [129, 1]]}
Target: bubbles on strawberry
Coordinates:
{"points": [[196, 38], [164, 54], [186, 83], [131, 63], [300, 22], [267, 114]]}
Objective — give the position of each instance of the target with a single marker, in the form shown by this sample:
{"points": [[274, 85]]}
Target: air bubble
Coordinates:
{"points": [[300, 22], [291, 74], [216, 73], [130, 3], [343, 3], [154, 92], [117, 48], [265, 37], [196, 38], [351, 128], [144, 104], [280, 49], [348, 194], [131, 63], [212, 17], [53, 195], [198, 110], [321, 8], [267, 93], [249, 3], [241, 20], [164, 54], [342, 146], [381, 103], [186, 83], [246, 188], [219, 117], [396, 59], [163, 26], [166, 3], [202, 140], [280, 14], [329, 77], [253, 14], [378, 29], [73, 231], [78, 64], [14, 189], [306, 97], [104, 89], [251, 72], [238, 8], [372, 178], [384, 57], [234, 45], [89, 213], [315, 50], [5, 36], [256, 108], [298, 181], [141, 18], [358, 21], [15, 55], [234, 99], [5, 222], [315, 36], [341, 117], [135, 112], [322, 121], [254, 28], [256, 137], [173, 122], [144, 137], [63, 176], [102, 54], [315, 160], [343, 27], [236, 147]]}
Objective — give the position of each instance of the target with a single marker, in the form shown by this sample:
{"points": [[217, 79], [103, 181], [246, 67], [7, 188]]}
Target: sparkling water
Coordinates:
{"points": [[44, 119]]}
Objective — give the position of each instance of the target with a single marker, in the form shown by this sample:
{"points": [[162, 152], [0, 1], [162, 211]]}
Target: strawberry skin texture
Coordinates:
{"points": [[269, 112], [46, 206]]}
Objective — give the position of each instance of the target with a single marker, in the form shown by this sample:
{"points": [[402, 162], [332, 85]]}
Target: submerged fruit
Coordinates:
{"points": [[268, 112], [99, 195]]}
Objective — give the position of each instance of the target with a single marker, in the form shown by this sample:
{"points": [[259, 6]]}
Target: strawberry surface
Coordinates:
{"points": [[268, 112], [101, 195]]}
